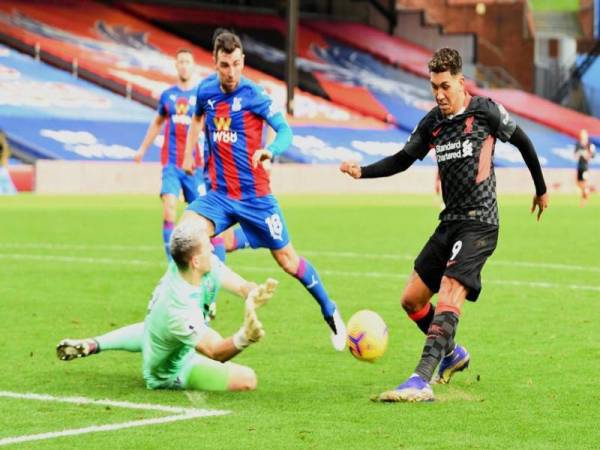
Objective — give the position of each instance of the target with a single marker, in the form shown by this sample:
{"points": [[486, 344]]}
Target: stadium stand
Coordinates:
{"points": [[591, 87], [344, 74], [392, 49], [113, 47], [47, 113]]}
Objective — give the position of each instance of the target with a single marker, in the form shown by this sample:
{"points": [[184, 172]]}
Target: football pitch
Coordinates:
{"points": [[80, 266]]}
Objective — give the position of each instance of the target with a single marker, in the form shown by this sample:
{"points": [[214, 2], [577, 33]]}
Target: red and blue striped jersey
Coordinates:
{"points": [[234, 131], [177, 106]]}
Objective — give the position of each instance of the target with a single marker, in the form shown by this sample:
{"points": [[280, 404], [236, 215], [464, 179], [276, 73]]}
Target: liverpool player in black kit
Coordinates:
{"points": [[462, 130]]}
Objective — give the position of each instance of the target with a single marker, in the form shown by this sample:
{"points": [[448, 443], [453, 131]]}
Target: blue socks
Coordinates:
{"points": [[167, 232], [218, 244], [239, 240], [308, 276]]}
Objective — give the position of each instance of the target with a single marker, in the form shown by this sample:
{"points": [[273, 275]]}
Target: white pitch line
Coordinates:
{"points": [[104, 402], [182, 413], [335, 254], [369, 274], [50, 246], [100, 428], [81, 259]]}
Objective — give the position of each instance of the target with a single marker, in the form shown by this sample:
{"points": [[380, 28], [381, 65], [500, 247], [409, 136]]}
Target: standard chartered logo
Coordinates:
{"points": [[223, 132], [454, 150]]}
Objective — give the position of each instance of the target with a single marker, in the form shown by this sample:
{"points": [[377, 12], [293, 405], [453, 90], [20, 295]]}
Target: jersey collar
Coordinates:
{"points": [[466, 104]]}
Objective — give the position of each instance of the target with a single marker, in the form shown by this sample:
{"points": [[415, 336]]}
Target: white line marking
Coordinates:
{"points": [[182, 413], [99, 428], [137, 262], [82, 259], [50, 246], [105, 402], [335, 254]]}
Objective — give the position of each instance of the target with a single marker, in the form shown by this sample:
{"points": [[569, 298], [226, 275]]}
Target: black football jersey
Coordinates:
{"points": [[464, 149]]}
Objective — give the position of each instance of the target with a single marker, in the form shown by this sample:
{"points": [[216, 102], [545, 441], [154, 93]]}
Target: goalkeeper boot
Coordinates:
{"points": [[456, 361], [69, 349], [415, 389], [338, 330]]}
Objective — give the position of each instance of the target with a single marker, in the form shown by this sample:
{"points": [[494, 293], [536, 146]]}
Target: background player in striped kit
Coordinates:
{"points": [[175, 109]]}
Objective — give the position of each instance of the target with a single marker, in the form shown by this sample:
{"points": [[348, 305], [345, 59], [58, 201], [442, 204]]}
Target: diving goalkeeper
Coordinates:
{"points": [[180, 350]]}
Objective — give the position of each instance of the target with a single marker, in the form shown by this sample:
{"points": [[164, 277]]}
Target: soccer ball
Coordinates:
{"points": [[367, 335]]}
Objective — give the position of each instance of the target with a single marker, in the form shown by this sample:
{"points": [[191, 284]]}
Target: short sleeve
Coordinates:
{"points": [[187, 326], [417, 145], [501, 123], [199, 102]]}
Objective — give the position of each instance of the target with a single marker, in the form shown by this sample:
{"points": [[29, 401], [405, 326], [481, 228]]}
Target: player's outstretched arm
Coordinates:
{"points": [[190, 142], [262, 293], [520, 140], [386, 167], [153, 130], [215, 347], [351, 168], [236, 284]]}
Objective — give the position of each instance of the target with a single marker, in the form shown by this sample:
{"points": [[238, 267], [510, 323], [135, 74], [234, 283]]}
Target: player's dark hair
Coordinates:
{"points": [[225, 41], [446, 59], [183, 50]]}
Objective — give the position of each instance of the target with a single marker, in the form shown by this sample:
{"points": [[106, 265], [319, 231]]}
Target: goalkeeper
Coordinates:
{"points": [[180, 350]]}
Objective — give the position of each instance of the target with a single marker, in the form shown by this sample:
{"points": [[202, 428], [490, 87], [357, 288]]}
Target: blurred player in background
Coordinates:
{"points": [[462, 130], [234, 110], [175, 109], [179, 349], [6, 184], [584, 153]]}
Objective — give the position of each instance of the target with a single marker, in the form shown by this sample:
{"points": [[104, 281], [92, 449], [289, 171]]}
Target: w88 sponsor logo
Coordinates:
{"points": [[223, 132], [228, 137]]}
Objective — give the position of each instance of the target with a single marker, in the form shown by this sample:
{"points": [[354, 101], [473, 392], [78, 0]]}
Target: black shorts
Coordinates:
{"points": [[457, 250], [581, 174]]}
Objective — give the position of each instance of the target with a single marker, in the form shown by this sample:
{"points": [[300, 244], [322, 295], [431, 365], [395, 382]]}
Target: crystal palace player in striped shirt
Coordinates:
{"points": [[462, 131], [175, 109], [234, 110]]}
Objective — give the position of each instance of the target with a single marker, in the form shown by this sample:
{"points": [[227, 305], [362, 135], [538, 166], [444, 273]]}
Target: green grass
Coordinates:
{"points": [[555, 5], [535, 349]]}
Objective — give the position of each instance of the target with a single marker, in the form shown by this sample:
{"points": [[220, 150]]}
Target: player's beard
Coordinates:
{"points": [[228, 86], [446, 109]]}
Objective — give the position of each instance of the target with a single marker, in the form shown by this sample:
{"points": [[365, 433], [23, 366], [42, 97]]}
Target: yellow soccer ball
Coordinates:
{"points": [[367, 335]]}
